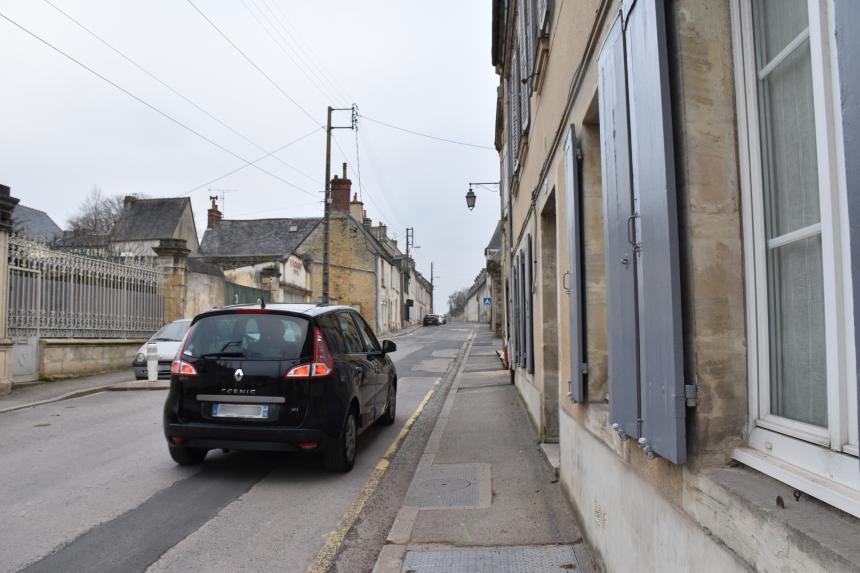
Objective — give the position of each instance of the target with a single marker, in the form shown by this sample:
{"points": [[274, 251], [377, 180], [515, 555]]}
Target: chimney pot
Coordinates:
{"points": [[128, 200], [213, 215], [344, 169]]}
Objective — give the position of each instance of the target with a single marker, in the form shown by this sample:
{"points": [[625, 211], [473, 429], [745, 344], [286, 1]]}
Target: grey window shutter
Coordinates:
{"points": [[531, 37], [621, 327], [544, 16], [661, 358], [523, 340], [514, 326], [572, 195], [514, 107], [530, 349], [522, 43], [848, 50]]}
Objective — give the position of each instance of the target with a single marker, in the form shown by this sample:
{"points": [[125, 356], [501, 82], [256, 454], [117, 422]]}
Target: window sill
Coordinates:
{"points": [[802, 465], [766, 535]]}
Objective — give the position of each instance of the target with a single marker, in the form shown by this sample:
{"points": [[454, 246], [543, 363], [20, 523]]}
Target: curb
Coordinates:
{"points": [[133, 385], [393, 553], [61, 397]]}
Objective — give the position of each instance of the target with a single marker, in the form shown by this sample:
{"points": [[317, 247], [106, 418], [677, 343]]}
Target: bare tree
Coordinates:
{"points": [[457, 301], [97, 214]]}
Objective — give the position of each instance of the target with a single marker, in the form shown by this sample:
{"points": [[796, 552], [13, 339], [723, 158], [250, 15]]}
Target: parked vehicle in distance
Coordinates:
{"points": [[431, 320], [287, 377], [443, 318], [168, 340]]}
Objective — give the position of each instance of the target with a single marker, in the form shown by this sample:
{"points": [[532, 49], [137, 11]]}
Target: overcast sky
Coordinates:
{"points": [[423, 66]]}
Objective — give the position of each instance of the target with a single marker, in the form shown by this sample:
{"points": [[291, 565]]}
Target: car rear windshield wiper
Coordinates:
{"points": [[233, 354]]}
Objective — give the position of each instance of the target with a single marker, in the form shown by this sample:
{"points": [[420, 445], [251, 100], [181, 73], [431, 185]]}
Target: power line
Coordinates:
{"points": [[166, 85], [249, 163], [277, 42], [255, 66], [282, 32], [349, 166], [311, 56], [147, 104], [413, 132]]}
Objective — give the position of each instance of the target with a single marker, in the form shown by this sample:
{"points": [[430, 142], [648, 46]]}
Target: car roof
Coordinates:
{"points": [[297, 308]]}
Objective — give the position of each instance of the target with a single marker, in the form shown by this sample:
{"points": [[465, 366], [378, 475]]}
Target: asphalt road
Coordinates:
{"points": [[87, 485]]}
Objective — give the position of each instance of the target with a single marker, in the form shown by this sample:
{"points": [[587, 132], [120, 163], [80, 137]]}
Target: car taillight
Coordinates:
{"points": [[182, 368], [322, 365]]}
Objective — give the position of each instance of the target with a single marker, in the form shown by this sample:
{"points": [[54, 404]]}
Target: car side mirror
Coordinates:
{"points": [[388, 346]]}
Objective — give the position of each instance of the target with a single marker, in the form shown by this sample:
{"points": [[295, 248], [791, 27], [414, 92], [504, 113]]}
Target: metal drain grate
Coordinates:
{"points": [[446, 485], [522, 559]]}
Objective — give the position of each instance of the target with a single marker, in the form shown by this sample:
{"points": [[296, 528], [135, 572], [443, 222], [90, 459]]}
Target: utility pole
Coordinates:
{"points": [[327, 208], [432, 288]]}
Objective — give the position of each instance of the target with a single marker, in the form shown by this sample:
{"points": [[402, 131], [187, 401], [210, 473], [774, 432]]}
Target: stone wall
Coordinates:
{"points": [[203, 291], [70, 357]]}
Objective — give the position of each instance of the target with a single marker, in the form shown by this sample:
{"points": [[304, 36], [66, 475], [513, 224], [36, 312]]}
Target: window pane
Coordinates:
{"points": [[798, 369], [798, 380], [351, 337], [786, 118]]}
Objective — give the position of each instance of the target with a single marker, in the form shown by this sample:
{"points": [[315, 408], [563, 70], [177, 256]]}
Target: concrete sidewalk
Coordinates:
{"points": [[27, 395], [483, 498]]}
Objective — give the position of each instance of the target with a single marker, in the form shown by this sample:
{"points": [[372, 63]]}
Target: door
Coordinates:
{"points": [[378, 364], [355, 356]]}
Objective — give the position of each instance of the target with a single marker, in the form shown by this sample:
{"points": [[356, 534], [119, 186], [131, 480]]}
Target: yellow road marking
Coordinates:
{"points": [[326, 556]]}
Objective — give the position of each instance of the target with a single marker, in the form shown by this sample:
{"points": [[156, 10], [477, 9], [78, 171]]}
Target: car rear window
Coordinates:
{"points": [[173, 331], [251, 336]]}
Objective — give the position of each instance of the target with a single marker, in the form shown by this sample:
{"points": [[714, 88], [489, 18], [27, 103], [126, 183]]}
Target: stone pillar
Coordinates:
{"points": [[173, 259], [7, 204]]}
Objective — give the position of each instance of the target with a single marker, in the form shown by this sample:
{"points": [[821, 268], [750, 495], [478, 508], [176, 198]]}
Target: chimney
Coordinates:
{"points": [[214, 215], [128, 200], [381, 232], [368, 223], [356, 208], [340, 189]]}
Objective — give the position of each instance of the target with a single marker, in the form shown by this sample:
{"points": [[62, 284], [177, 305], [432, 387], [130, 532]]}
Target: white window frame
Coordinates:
{"points": [[821, 461]]}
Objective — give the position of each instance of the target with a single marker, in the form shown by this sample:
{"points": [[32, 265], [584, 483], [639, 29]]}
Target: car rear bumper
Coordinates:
{"points": [[236, 437], [141, 372]]}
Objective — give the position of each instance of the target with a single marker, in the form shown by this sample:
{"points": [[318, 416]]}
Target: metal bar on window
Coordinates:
{"points": [[794, 236], [784, 54]]}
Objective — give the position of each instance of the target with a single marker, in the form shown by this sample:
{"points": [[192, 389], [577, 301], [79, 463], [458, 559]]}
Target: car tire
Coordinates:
{"points": [[387, 417], [187, 456], [341, 457]]}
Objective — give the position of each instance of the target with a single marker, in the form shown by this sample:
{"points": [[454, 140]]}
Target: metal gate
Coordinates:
{"points": [[57, 294]]}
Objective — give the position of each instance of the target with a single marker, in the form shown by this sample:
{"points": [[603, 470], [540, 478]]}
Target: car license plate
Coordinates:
{"points": [[240, 411]]}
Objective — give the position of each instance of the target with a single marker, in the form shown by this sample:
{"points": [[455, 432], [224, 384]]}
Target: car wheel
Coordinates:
{"points": [[342, 455], [390, 407], [187, 456]]}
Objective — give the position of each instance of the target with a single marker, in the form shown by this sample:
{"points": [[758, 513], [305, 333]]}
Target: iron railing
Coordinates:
{"points": [[56, 294]]}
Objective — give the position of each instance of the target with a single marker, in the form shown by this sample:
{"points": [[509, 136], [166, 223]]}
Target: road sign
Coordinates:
{"points": [[488, 300]]}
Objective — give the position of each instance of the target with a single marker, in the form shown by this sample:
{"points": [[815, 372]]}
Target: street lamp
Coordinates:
{"points": [[470, 195]]}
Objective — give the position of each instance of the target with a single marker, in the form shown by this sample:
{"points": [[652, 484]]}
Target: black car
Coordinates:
{"points": [[431, 320], [287, 377]]}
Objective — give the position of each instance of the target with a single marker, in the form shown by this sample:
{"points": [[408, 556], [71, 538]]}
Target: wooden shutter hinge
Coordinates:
{"points": [[691, 395]]}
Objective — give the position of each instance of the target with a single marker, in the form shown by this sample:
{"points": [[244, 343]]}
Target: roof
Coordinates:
{"points": [[197, 264], [298, 308], [496, 240], [147, 219], [256, 237], [35, 224]]}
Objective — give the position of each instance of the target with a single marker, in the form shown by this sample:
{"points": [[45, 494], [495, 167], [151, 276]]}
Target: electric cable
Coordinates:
{"points": [[299, 60], [166, 85], [254, 65], [149, 105], [413, 132], [311, 55], [249, 163], [277, 42]]}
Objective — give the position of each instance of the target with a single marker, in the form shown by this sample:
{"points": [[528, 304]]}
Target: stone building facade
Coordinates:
{"points": [[678, 243]]}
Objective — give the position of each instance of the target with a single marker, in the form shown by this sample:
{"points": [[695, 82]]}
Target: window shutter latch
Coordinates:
{"points": [[691, 394], [584, 368]]}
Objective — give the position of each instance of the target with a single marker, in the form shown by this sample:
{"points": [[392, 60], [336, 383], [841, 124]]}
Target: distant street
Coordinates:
{"points": [[87, 484]]}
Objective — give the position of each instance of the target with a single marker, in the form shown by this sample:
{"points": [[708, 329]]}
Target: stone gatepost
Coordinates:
{"points": [[173, 259], [7, 204]]}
